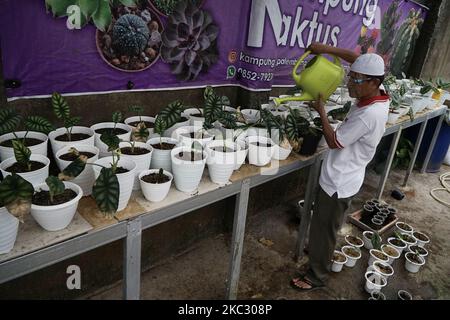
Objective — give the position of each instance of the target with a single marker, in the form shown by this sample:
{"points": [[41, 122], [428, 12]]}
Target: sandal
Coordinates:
{"points": [[307, 281]]}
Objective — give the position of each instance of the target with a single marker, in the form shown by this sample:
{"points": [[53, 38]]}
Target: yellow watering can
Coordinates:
{"points": [[319, 76]]}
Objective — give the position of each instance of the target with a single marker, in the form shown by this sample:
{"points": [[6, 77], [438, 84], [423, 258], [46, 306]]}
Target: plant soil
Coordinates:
{"points": [[390, 251], [404, 227], [117, 131], [407, 238], [183, 119], [355, 240], [420, 236], [137, 151], [198, 115], [148, 124], [163, 146], [420, 250], [73, 137], [352, 252], [29, 142], [42, 198], [220, 149], [379, 255], [195, 135], [72, 157], [404, 296], [20, 168], [190, 156], [398, 243], [414, 258], [120, 170], [383, 269], [155, 178], [263, 145], [338, 257]]}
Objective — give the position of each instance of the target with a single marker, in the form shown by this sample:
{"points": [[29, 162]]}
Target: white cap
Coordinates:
{"points": [[370, 64]]}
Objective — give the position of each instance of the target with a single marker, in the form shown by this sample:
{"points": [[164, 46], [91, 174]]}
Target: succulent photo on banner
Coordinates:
{"points": [[189, 41], [166, 7]]}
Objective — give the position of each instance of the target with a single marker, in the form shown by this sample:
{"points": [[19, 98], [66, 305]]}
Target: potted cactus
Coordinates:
{"points": [[70, 134], [142, 126], [155, 184], [35, 136]]}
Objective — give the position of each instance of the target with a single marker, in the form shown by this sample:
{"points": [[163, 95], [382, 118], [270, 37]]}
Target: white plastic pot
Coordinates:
{"points": [[162, 158], [374, 282], [142, 161], [399, 248], [421, 243], [194, 120], [102, 147], [187, 174], [256, 131], [169, 132], [367, 238], [221, 164], [126, 179], [347, 239], [391, 257], [58, 217], [398, 225], [241, 154], [34, 177], [423, 255], [9, 226], [412, 266], [373, 258], [280, 153], [201, 136], [351, 261], [393, 117], [56, 145], [85, 180], [141, 118], [414, 241], [259, 156], [336, 266], [404, 295], [230, 134], [385, 265], [251, 115], [41, 148], [155, 192]]}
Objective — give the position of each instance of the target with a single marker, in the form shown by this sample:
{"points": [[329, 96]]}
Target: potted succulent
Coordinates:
{"points": [[374, 282], [121, 130], [188, 165], [141, 126], [339, 259], [70, 134], [413, 262], [35, 136], [66, 155], [155, 184], [354, 241], [352, 253], [404, 295], [391, 252], [222, 159], [140, 153], [260, 150], [32, 167], [403, 227], [421, 238], [397, 243]]}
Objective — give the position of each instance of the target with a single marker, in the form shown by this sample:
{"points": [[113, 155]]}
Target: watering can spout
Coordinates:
{"points": [[304, 97]]}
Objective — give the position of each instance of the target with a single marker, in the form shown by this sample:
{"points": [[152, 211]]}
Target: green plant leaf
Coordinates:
{"points": [[111, 140], [39, 124], [117, 117], [213, 108], [425, 89], [16, 194], [376, 241], [172, 113], [55, 186], [59, 7], [227, 119], [73, 169], [71, 121], [60, 106], [9, 120], [137, 109], [160, 125], [102, 16], [88, 7], [208, 91], [21, 152], [106, 191], [291, 128], [128, 3], [141, 133]]}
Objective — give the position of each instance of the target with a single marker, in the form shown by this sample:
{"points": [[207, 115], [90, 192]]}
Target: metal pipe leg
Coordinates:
{"points": [[132, 261], [415, 152], [387, 168], [305, 219], [240, 216], [432, 144]]}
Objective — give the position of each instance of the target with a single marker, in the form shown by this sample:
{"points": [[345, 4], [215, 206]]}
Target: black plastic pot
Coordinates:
{"points": [[310, 142]]}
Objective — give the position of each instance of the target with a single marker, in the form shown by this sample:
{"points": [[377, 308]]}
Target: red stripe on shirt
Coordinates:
{"points": [[340, 146], [381, 98]]}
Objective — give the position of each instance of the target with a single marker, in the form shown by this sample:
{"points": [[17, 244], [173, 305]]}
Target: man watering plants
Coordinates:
{"points": [[352, 147]]}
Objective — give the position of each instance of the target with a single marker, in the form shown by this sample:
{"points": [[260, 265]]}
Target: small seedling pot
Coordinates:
{"points": [[399, 248], [161, 158], [374, 258], [9, 227], [351, 261], [395, 254], [421, 250], [413, 266], [155, 192], [404, 295], [350, 241], [35, 177], [142, 160], [57, 145], [421, 238], [40, 148], [377, 295], [367, 238], [403, 227], [336, 266], [378, 266], [102, 147], [221, 164], [259, 155], [374, 282], [187, 174], [411, 240]]}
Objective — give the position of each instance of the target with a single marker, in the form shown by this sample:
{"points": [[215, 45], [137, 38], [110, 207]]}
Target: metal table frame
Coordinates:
{"points": [[131, 230]]}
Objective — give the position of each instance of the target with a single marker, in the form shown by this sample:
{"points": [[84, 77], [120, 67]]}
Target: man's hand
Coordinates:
{"points": [[319, 48], [318, 105]]}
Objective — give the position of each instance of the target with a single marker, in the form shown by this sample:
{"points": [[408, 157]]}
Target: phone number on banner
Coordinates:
{"points": [[254, 76]]}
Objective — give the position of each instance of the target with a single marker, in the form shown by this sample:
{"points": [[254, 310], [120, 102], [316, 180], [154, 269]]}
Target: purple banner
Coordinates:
{"points": [[100, 46]]}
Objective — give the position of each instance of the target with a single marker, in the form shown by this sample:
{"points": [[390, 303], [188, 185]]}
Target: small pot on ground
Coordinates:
{"points": [[85, 180], [403, 227], [420, 250], [339, 259], [161, 152], [377, 296], [79, 136], [55, 217], [354, 241], [260, 150], [155, 185], [377, 255], [141, 155], [126, 178], [398, 244], [408, 239], [37, 143], [404, 295], [122, 131], [222, 159], [421, 238], [391, 252], [383, 268], [9, 227], [367, 238], [374, 282], [413, 262], [188, 165], [353, 254], [35, 177]]}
